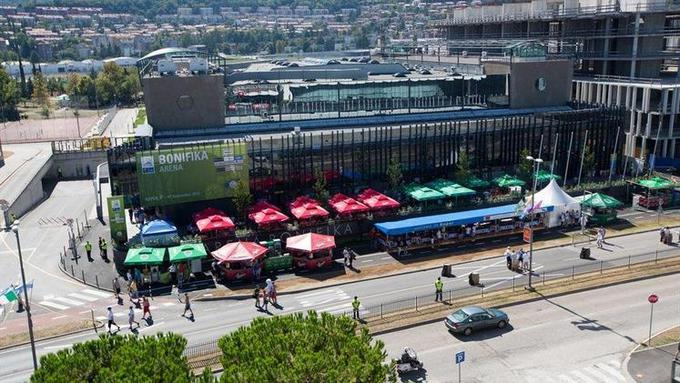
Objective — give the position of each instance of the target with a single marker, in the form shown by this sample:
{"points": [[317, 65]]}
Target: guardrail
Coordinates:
{"points": [[208, 353]]}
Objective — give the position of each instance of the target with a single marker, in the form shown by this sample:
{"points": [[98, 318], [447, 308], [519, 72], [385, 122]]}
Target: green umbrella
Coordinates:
{"points": [[476, 183], [422, 193], [656, 183], [144, 256], [545, 176], [450, 188], [507, 180], [187, 252], [601, 201]]}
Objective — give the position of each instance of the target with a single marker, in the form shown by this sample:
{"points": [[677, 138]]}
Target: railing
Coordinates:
{"points": [[207, 354]]}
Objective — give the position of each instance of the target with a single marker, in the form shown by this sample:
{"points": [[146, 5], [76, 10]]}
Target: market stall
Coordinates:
{"points": [[148, 260], [600, 208], [543, 176], [377, 201], [451, 189], [268, 217], [553, 196], [507, 181], [475, 183], [311, 251], [159, 233], [347, 206], [240, 260], [190, 254], [652, 192]]}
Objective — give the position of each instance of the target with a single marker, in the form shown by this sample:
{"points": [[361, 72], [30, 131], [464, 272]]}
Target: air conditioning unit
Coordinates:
{"points": [[483, 54]]}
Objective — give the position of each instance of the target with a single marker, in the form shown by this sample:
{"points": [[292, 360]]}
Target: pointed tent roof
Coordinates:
{"points": [[552, 195]]}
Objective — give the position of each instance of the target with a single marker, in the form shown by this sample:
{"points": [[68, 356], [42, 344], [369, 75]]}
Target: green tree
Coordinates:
{"points": [[40, 93], [320, 187], [463, 172], [303, 348], [118, 359], [242, 198], [525, 167], [394, 174], [10, 93]]}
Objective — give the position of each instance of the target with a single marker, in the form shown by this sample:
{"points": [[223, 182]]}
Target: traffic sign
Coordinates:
{"points": [[528, 234], [460, 357], [653, 298]]}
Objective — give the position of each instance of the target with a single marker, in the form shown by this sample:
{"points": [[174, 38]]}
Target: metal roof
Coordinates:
{"points": [[168, 51]]}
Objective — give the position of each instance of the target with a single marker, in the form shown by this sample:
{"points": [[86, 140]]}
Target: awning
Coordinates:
{"points": [[307, 210], [268, 216], [450, 188], [601, 201], [214, 223], [439, 221], [476, 183], [187, 252], [239, 252], [261, 205], [310, 242], [507, 180], [656, 183], [346, 205], [422, 193], [545, 176], [158, 226], [377, 201], [144, 256]]}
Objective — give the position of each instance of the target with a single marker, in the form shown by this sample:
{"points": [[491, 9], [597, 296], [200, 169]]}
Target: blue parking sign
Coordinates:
{"points": [[460, 357]]}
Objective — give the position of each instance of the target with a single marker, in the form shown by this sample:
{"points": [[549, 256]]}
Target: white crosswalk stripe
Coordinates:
{"points": [[324, 297], [70, 300], [603, 372]]}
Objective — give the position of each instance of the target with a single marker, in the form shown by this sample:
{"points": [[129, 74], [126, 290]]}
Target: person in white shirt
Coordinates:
{"points": [[109, 317], [131, 318]]}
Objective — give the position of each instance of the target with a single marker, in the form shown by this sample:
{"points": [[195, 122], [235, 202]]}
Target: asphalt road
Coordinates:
{"points": [[578, 338], [121, 123], [218, 317]]}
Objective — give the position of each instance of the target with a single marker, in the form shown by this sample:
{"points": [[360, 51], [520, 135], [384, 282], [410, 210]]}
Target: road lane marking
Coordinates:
{"points": [[58, 347], [83, 297], [53, 305], [97, 293], [68, 301], [59, 317], [315, 294]]}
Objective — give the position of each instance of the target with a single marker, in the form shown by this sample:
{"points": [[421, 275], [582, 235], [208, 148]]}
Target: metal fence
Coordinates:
{"points": [[206, 354]]}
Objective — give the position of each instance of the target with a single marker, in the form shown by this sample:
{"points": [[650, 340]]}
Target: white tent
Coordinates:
{"points": [[553, 195]]}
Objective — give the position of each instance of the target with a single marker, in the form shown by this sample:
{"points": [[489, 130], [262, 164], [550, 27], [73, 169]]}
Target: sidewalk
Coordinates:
{"points": [[98, 273], [652, 365]]}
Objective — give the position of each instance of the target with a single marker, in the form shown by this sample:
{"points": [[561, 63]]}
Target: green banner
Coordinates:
{"points": [[117, 225], [191, 173]]}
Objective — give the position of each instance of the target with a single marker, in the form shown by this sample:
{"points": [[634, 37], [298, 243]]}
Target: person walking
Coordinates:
{"points": [[131, 318], [187, 306], [438, 288], [355, 308], [173, 273], [352, 257], [146, 307], [520, 258], [265, 300], [116, 287], [88, 251], [508, 258], [599, 239], [256, 295], [132, 292], [102, 249], [109, 318], [345, 255]]}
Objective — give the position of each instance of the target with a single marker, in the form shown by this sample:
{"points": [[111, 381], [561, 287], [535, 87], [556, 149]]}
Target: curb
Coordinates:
{"points": [[626, 360], [61, 268], [535, 299], [306, 289], [100, 324]]}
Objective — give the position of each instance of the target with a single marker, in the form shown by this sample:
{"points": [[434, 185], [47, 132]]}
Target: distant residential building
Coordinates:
{"points": [[205, 11], [184, 11]]}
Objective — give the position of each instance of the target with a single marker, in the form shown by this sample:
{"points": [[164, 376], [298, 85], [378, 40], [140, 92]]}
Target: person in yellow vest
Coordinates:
{"points": [[88, 250], [12, 218], [438, 288], [355, 308]]}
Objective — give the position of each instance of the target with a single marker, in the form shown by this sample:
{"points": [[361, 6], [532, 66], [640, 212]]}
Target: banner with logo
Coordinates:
{"points": [[191, 173], [117, 225]]}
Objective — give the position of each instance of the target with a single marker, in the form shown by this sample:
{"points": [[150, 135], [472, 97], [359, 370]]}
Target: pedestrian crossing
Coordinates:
{"points": [[604, 372], [334, 301], [74, 300]]}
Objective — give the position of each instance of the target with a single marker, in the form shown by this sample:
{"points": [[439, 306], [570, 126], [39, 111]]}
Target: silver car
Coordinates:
{"points": [[474, 318]]}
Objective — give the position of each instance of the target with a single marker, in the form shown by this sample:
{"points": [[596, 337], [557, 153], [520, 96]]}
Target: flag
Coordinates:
{"points": [[8, 296], [18, 290]]}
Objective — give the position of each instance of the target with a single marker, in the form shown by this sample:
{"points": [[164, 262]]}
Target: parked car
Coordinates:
{"points": [[475, 318]]}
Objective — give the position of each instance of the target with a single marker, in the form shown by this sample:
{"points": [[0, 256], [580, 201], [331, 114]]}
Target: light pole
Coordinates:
{"points": [[15, 229], [537, 164]]}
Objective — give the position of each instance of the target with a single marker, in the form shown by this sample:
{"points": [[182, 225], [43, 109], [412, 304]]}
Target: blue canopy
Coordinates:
{"points": [[158, 226], [435, 222]]}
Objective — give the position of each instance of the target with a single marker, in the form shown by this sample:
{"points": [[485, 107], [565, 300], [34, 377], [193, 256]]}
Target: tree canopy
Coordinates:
{"points": [[303, 348], [117, 359]]}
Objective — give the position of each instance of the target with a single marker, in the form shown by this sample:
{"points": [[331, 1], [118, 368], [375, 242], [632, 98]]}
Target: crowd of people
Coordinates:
{"points": [[516, 260], [264, 294], [570, 218]]}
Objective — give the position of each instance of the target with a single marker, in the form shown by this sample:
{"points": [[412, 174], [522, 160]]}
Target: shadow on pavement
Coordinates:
{"points": [[414, 376], [484, 334]]}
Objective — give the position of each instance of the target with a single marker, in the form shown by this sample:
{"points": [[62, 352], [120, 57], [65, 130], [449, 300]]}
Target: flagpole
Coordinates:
{"points": [[15, 229], [583, 155], [566, 168], [552, 164]]}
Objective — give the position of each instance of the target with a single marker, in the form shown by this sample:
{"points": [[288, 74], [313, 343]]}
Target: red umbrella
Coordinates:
{"points": [[310, 242], [239, 251], [261, 205], [302, 200], [345, 205], [213, 223], [377, 201], [308, 210], [268, 216], [207, 212]]}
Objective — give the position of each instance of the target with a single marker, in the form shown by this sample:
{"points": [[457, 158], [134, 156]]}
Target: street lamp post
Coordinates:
{"points": [[15, 229], [537, 164]]}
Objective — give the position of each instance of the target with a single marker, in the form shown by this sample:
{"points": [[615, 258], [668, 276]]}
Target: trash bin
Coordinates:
{"points": [[473, 279], [446, 271], [585, 253]]}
